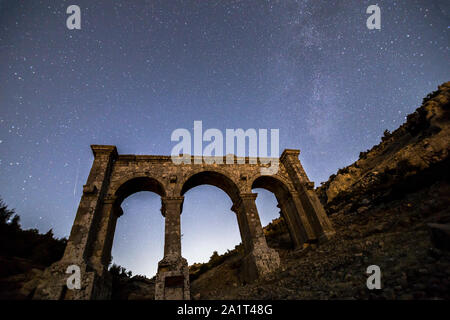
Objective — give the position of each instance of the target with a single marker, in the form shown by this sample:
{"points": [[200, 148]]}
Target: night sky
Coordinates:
{"points": [[138, 70]]}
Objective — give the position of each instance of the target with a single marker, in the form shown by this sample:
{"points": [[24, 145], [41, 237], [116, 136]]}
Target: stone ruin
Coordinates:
{"points": [[114, 177]]}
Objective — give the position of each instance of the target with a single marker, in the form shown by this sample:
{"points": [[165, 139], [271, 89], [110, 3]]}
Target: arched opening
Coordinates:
{"points": [[207, 224], [274, 225], [209, 227], [136, 185], [139, 234], [275, 201], [212, 178], [133, 248]]}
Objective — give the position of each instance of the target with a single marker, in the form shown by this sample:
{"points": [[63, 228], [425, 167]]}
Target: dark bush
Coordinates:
{"points": [[41, 249]]}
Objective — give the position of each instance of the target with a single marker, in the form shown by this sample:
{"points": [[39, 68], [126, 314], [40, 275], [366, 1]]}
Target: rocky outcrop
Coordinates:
{"points": [[18, 278]]}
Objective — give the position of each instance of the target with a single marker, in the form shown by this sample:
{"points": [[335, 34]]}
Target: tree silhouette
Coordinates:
{"points": [[40, 249]]}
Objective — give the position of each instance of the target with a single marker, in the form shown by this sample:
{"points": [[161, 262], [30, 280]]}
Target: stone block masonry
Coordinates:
{"points": [[114, 177]]}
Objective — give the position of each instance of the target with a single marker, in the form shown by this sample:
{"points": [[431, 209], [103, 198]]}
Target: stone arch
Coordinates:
{"points": [[259, 259], [113, 177], [288, 209], [215, 178], [131, 185], [266, 180], [111, 210]]}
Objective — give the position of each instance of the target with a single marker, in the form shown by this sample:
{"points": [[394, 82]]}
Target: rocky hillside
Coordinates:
{"points": [[395, 236]]}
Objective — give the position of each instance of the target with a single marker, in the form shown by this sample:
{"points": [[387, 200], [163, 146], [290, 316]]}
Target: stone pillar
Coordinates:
{"points": [[297, 234], [101, 250], [259, 259], [314, 211], [79, 246], [172, 279], [299, 218]]}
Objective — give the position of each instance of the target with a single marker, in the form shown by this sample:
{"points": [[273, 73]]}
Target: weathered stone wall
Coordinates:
{"points": [[114, 177]]}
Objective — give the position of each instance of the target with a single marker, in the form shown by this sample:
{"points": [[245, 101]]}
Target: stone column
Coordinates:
{"points": [[297, 236], [300, 218], [172, 279], [101, 252], [314, 211], [259, 259], [79, 246]]}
